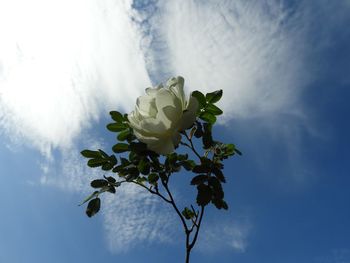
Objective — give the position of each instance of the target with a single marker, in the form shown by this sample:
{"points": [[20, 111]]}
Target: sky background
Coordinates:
{"points": [[284, 69]]}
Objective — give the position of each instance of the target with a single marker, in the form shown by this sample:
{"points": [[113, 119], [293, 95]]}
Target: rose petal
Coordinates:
{"points": [[176, 85], [169, 108], [146, 106]]}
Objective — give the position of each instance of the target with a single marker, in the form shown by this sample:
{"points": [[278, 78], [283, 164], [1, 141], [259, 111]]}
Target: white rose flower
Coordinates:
{"points": [[161, 114]]}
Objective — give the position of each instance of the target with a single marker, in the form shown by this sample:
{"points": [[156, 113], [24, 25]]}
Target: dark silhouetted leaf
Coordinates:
{"points": [[153, 178], [215, 184], [204, 195], [111, 189], [120, 147], [93, 207], [104, 154], [238, 151], [144, 166], [220, 203], [138, 147], [107, 166], [200, 169], [91, 154], [96, 162], [199, 179], [110, 179], [218, 173], [99, 183], [199, 131], [207, 136]]}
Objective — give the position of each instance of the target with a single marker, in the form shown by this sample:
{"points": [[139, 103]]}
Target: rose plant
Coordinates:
{"points": [[162, 121]]}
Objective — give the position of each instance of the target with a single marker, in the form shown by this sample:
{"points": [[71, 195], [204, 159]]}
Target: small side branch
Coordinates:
{"points": [[153, 192]]}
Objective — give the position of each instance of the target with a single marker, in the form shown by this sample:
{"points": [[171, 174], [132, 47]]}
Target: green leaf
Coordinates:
{"points": [[182, 157], [153, 178], [93, 207], [188, 164], [107, 166], [120, 147], [187, 213], [117, 116], [230, 149], [99, 183], [113, 160], [96, 162], [122, 136], [116, 127], [90, 154], [94, 194], [213, 97], [211, 108], [199, 179], [204, 195], [200, 98], [104, 154], [144, 166], [208, 117]]}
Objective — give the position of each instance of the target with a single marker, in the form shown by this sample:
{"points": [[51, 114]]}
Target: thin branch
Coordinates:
{"points": [[197, 230], [175, 207], [153, 192], [191, 146]]}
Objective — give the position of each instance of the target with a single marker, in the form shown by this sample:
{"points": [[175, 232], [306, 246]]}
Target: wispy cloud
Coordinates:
{"points": [[252, 50], [341, 255], [132, 217], [57, 74], [232, 235]]}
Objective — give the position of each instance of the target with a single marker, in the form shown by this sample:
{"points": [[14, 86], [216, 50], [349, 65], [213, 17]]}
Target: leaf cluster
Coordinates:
{"points": [[133, 162]]}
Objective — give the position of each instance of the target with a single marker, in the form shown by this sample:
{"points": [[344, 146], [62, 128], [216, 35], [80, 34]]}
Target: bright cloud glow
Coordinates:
{"points": [[62, 63]]}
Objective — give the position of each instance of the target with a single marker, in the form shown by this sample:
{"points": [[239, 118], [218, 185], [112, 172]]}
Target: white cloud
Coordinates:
{"points": [[62, 63], [226, 235], [134, 217], [254, 51]]}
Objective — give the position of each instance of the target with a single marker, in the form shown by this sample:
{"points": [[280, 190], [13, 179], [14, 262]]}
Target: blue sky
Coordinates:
{"points": [[284, 68]]}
